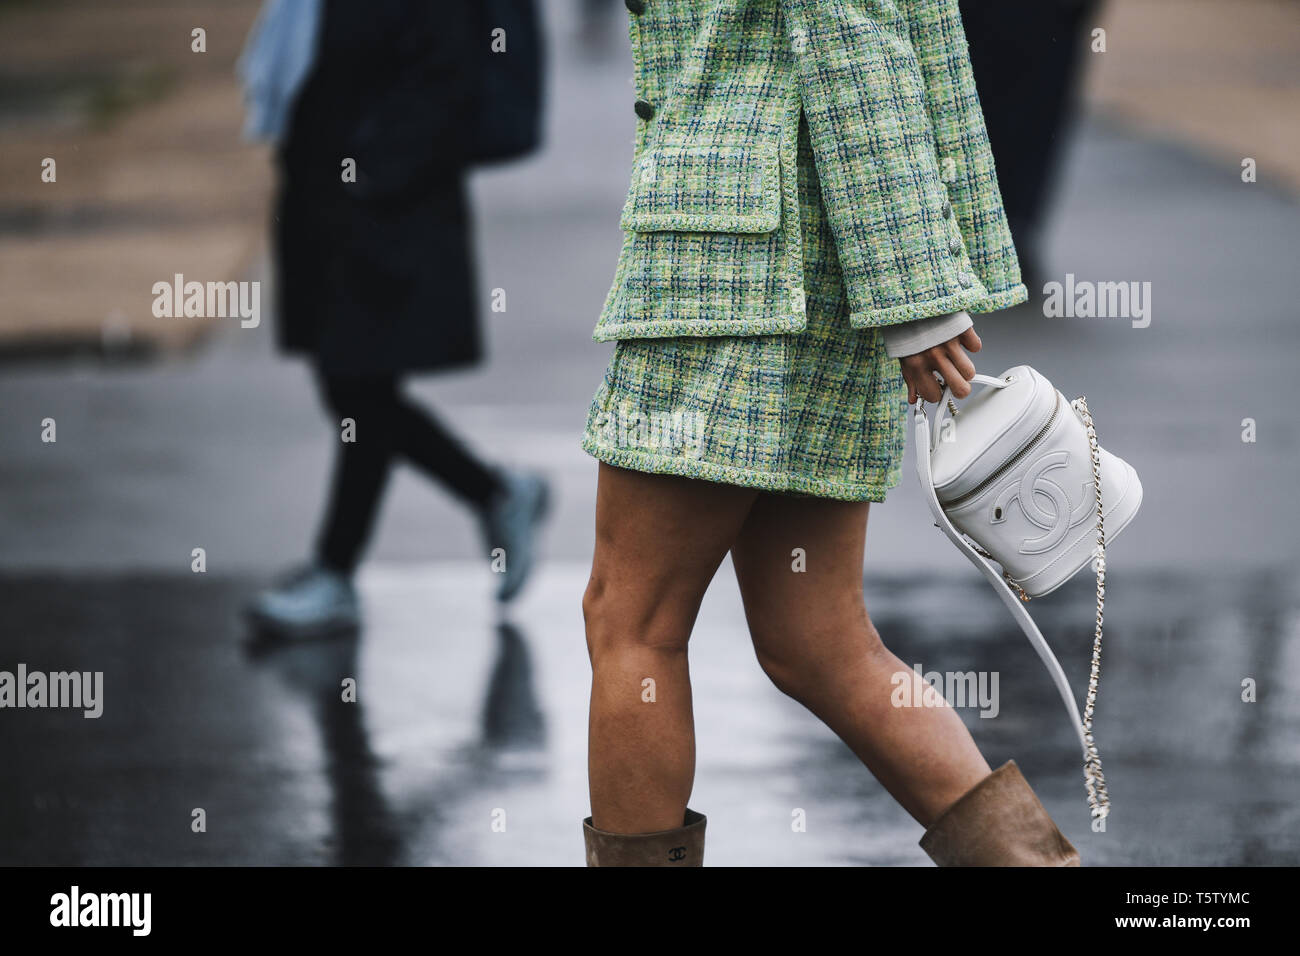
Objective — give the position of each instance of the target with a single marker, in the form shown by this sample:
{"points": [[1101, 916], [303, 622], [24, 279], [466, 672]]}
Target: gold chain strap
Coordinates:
{"points": [[1093, 778]]}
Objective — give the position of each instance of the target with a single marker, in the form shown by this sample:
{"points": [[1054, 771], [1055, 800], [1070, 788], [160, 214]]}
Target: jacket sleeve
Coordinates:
{"points": [[962, 145], [902, 154]]}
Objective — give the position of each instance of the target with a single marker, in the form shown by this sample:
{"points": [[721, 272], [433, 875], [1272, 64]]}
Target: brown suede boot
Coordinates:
{"points": [[681, 847], [999, 822]]}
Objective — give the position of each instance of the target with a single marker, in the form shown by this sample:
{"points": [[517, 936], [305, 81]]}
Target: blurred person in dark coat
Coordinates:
{"points": [[374, 122], [1027, 56]]}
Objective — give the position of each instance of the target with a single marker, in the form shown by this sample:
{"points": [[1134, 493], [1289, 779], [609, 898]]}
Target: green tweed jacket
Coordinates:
{"points": [[712, 241]]}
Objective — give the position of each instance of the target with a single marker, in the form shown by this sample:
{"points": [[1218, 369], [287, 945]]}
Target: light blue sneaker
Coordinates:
{"points": [[510, 522], [311, 602]]}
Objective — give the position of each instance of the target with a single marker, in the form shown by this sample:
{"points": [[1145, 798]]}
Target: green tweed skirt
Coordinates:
{"points": [[820, 412]]}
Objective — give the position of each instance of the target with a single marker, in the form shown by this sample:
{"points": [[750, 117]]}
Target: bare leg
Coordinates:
{"points": [[659, 541], [813, 637]]}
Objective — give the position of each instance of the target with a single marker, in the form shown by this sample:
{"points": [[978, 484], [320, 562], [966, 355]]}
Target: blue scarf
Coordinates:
{"points": [[277, 59]]}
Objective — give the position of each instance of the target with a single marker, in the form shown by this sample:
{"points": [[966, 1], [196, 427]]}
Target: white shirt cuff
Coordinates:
{"points": [[908, 338]]}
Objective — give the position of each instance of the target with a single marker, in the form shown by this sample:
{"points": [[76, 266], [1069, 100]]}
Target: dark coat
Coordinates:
{"points": [[376, 277]]}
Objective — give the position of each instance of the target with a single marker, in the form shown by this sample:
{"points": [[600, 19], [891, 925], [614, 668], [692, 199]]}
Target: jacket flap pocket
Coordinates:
{"points": [[705, 189]]}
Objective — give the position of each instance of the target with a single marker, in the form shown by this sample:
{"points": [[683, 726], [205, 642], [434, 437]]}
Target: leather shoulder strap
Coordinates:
{"points": [[1009, 598]]}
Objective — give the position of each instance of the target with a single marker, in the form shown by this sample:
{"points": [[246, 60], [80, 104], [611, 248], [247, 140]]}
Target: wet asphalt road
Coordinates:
{"points": [[461, 715], [463, 719]]}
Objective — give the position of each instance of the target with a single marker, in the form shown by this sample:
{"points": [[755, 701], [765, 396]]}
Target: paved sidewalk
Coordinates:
{"points": [[152, 177], [460, 716], [1217, 74]]}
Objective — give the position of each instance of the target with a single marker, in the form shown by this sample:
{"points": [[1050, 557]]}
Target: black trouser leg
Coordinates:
{"points": [[387, 426], [361, 467], [424, 441]]}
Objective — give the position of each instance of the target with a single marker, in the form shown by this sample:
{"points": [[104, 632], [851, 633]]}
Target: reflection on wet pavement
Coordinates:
{"points": [[465, 743]]}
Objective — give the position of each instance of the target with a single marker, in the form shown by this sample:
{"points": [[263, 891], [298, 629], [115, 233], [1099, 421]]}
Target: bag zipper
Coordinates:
{"points": [[1011, 462]]}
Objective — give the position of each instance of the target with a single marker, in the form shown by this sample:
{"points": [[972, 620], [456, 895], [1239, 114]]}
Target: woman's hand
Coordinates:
{"points": [[949, 360]]}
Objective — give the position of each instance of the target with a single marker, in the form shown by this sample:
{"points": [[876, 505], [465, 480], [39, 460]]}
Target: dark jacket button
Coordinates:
{"points": [[643, 109], [636, 6]]}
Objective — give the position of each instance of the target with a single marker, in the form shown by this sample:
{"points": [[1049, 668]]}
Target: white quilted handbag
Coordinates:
{"points": [[1016, 476]]}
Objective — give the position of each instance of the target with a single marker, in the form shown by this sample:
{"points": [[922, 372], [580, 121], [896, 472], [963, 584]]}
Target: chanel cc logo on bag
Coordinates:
{"points": [[677, 854], [1028, 491]]}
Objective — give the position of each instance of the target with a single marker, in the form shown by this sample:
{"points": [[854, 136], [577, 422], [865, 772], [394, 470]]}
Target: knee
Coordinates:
{"points": [[792, 674], [594, 608], [827, 652], [623, 620]]}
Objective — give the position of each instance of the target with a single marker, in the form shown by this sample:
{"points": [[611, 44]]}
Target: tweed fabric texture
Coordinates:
{"points": [[712, 222], [818, 412]]}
